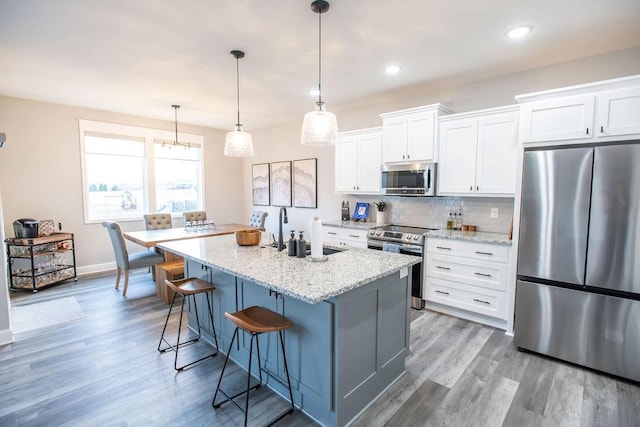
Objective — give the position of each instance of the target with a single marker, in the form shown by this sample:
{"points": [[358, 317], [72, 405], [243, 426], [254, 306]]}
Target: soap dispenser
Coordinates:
{"points": [[291, 246], [302, 247]]}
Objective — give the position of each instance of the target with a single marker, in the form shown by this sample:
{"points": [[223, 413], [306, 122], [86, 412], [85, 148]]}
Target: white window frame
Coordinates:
{"points": [[150, 137]]}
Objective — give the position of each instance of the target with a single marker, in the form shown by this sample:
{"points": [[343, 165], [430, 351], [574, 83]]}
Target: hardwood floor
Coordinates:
{"points": [[104, 370]]}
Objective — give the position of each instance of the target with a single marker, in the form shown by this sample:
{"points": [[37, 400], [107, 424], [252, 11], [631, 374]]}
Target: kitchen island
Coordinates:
{"points": [[351, 317]]}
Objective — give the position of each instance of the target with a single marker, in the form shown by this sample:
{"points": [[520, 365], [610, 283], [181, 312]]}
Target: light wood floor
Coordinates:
{"points": [[105, 370]]}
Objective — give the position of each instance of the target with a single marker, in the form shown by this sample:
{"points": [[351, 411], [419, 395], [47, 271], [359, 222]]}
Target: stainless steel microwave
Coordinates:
{"points": [[416, 179]]}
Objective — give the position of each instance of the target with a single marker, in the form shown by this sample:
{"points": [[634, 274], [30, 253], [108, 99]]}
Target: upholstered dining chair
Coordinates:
{"points": [[194, 216], [257, 218], [157, 221], [124, 261]]}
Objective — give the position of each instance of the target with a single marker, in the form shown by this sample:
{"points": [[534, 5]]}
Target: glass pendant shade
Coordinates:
{"points": [[238, 143], [319, 127]]}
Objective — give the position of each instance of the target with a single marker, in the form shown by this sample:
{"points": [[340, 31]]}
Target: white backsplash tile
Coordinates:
{"points": [[433, 211]]}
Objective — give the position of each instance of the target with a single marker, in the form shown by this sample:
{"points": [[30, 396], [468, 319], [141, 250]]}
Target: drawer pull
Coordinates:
{"points": [[332, 233], [354, 235], [443, 247], [442, 268], [442, 292], [483, 302], [484, 253], [482, 274]]}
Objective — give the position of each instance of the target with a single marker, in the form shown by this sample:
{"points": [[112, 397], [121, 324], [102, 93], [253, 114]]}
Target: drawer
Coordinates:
{"points": [[486, 274], [482, 251], [345, 236], [478, 300]]}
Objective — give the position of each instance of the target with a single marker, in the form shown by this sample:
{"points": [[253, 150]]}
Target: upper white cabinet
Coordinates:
{"points": [[479, 153], [601, 111], [358, 161], [410, 135]]}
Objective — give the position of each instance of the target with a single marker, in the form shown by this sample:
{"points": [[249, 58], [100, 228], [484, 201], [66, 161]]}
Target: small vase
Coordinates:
{"points": [[381, 218]]}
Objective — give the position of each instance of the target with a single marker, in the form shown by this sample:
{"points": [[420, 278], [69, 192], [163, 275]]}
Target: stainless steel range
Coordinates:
{"points": [[405, 240]]}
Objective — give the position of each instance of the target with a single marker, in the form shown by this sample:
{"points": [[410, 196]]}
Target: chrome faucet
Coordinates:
{"points": [[282, 218]]}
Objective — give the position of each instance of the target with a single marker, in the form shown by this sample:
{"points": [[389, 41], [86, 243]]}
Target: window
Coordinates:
{"points": [[128, 171]]}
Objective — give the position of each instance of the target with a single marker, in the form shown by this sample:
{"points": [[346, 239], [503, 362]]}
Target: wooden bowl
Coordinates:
{"points": [[248, 237]]}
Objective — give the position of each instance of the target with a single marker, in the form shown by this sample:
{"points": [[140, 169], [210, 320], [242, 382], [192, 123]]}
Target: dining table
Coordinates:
{"points": [[151, 238]]}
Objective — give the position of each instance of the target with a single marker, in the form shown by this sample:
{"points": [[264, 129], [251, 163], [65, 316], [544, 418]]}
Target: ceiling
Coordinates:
{"points": [[139, 57]]}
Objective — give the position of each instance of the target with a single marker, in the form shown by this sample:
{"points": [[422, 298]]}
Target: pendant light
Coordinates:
{"points": [[319, 127], [176, 142], [238, 143]]}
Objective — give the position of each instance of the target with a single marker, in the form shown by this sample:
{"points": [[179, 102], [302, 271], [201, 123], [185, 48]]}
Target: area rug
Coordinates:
{"points": [[43, 314]]}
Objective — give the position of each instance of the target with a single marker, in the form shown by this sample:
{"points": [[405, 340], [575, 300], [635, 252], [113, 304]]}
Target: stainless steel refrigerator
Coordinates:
{"points": [[578, 287]]}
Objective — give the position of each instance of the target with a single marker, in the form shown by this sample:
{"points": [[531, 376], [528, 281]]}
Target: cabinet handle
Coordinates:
{"points": [[442, 268], [403, 157], [477, 188], [484, 253], [587, 131], [442, 292], [354, 235], [601, 129], [482, 274], [354, 187], [408, 156], [443, 247], [332, 233], [483, 302], [471, 188]]}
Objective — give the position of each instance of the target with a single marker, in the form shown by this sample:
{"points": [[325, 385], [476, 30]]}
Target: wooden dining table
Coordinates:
{"points": [[151, 238]]}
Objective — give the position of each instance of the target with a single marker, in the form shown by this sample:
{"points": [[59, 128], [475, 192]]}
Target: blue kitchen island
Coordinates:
{"points": [[351, 317]]}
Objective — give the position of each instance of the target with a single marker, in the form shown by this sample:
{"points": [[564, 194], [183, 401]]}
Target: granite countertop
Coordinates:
{"points": [[351, 224], [298, 278], [472, 236]]}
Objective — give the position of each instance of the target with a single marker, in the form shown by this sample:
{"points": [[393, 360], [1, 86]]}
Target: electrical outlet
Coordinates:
{"points": [[495, 212]]}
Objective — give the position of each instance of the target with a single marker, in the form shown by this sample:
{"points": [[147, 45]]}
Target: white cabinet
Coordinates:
{"points": [[601, 111], [343, 236], [467, 279], [410, 135], [358, 159], [479, 153]]}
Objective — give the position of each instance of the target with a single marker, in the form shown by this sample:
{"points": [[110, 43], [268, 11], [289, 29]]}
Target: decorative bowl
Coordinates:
{"points": [[248, 237]]}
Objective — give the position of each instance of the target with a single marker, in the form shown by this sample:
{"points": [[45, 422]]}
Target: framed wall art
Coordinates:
{"points": [[260, 189], [281, 183], [305, 183]]}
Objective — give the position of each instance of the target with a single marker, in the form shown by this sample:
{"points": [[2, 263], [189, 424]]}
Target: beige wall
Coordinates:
{"points": [[40, 173], [283, 142]]}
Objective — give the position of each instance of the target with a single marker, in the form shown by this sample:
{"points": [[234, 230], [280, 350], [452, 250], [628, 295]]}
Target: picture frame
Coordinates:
{"points": [[305, 183], [361, 211], [260, 184], [281, 183]]}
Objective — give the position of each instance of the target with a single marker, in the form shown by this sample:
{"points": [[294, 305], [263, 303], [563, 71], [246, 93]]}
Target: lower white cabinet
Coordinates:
{"points": [[342, 236], [468, 277]]}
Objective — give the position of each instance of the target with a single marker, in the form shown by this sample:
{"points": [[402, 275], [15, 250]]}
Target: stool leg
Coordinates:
{"points": [[246, 401], [286, 370], [165, 326], [224, 366], [175, 360], [213, 326]]}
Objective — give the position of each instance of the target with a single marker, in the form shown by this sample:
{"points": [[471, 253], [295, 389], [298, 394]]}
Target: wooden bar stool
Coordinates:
{"points": [[255, 321], [188, 288]]}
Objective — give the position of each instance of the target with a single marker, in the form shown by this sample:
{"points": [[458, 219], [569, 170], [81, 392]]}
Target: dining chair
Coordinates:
{"points": [[157, 221], [124, 261], [194, 216], [257, 218]]}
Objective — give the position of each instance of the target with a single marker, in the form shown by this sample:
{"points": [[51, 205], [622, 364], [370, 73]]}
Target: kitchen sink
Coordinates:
{"points": [[325, 249]]}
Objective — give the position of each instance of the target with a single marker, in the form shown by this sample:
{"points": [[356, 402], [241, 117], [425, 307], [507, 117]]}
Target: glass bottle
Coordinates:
{"points": [[450, 222], [460, 220]]}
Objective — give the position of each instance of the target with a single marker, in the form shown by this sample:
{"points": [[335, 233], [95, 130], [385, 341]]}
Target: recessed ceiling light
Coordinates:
{"points": [[314, 92], [392, 69], [519, 32]]}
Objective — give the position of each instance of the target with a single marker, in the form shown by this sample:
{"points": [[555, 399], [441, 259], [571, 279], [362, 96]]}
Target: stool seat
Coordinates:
{"points": [[189, 286], [256, 319]]}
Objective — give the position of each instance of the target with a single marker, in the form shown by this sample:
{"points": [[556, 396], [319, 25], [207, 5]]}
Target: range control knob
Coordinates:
{"points": [[416, 237], [378, 233]]}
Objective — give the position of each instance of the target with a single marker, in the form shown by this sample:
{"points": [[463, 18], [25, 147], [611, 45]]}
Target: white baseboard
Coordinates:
{"points": [[6, 337], [95, 268]]}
